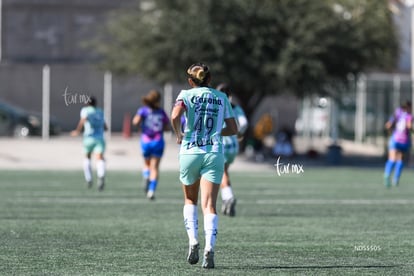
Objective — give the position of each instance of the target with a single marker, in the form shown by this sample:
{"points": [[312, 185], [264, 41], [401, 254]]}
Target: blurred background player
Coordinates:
{"points": [[154, 121], [399, 144], [262, 129], [231, 150], [201, 155], [93, 124], [284, 143]]}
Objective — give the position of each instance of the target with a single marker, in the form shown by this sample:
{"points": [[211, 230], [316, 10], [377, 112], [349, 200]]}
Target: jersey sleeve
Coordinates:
{"points": [[141, 111], [241, 119], [84, 113], [181, 100]]}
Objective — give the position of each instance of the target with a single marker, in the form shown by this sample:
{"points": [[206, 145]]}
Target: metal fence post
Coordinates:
{"points": [[360, 111], [108, 101], [396, 91], [45, 102], [168, 97]]}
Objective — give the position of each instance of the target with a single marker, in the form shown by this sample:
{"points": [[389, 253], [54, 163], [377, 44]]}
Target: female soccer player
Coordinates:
{"points": [[154, 121], [201, 155], [93, 122], [399, 144], [231, 149]]}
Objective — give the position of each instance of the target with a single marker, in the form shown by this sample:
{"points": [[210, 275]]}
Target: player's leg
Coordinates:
{"points": [[146, 173], [87, 163], [190, 214], [209, 193], [146, 154], [211, 177], [100, 163], [228, 206], [87, 170], [154, 163], [399, 165], [157, 152], [389, 165], [189, 176]]}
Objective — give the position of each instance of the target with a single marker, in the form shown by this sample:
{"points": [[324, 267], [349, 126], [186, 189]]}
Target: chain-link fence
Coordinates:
{"points": [[360, 111]]}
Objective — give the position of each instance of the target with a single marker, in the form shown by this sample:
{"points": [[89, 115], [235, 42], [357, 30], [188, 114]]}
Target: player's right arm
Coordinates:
{"points": [[79, 127], [136, 120], [81, 123], [176, 114]]}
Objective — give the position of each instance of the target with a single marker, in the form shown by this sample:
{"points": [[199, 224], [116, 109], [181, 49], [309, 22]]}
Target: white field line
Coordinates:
{"points": [[141, 200], [95, 201], [337, 201]]}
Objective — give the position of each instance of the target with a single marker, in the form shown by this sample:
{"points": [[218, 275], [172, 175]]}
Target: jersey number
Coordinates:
{"points": [[154, 122], [198, 126]]}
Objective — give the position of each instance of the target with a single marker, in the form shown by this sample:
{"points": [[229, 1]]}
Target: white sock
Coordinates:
{"points": [[226, 193], [190, 214], [210, 231], [87, 169], [100, 168]]}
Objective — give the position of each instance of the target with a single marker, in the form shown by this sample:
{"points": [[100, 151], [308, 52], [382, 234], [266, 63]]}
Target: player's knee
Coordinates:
{"points": [[100, 156]]}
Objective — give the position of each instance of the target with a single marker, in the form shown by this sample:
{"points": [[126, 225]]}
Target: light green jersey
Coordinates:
{"points": [[95, 123], [206, 109], [231, 143]]}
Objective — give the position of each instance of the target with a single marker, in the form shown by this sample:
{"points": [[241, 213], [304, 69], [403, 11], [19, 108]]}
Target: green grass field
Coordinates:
{"points": [[324, 221]]}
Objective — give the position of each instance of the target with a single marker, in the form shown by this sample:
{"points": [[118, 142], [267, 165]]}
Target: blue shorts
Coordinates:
{"points": [[393, 145], [152, 148], [208, 165]]}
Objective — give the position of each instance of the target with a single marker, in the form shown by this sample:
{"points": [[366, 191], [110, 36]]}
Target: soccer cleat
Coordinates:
{"points": [[192, 257], [395, 183], [223, 207], [145, 180], [101, 183], [208, 260], [228, 207], [232, 207], [146, 184], [89, 184], [387, 181], [151, 195]]}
